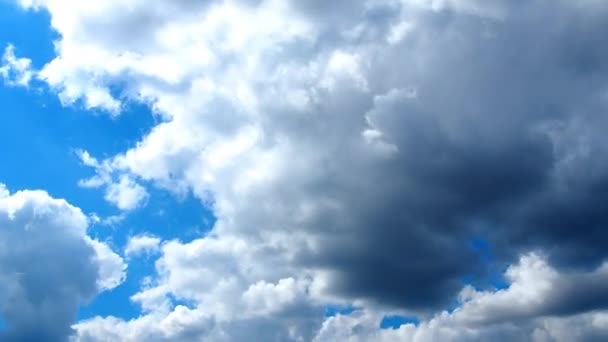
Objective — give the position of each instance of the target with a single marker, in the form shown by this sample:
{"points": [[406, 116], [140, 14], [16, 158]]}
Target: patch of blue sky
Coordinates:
{"points": [[395, 321], [164, 215], [493, 277], [116, 302], [29, 31], [335, 310], [39, 135], [490, 276]]}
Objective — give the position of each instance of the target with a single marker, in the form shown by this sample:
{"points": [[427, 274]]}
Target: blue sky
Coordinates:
{"points": [[319, 171]]}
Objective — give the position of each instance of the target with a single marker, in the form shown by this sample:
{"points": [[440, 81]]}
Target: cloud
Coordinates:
{"points": [[522, 311], [354, 147], [516, 313], [15, 71], [222, 306], [124, 193], [49, 266], [142, 244], [4, 192]]}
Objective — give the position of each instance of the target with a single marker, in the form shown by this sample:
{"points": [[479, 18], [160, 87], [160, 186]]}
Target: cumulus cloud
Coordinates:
{"points": [[523, 311], [215, 277], [48, 266], [354, 147]]}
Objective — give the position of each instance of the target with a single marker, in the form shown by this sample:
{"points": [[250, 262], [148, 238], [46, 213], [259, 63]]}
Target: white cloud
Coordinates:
{"points": [[270, 298], [49, 266], [142, 244], [15, 71], [112, 269], [126, 194]]}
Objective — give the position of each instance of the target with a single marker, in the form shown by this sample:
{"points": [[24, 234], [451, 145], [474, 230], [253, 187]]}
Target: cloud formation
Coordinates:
{"points": [[351, 151]]}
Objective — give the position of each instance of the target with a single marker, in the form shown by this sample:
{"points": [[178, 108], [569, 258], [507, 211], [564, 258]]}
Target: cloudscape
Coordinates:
{"points": [[303, 170]]}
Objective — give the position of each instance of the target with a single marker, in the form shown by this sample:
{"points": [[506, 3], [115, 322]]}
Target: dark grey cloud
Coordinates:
{"points": [[469, 102]]}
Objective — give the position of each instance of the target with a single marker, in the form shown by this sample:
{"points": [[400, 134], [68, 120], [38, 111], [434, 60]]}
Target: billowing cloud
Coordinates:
{"points": [[215, 278], [351, 150], [48, 266]]}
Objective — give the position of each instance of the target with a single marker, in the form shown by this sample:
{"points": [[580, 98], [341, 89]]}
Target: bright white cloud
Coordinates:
{"points": [[142, 244], [112, 269], [270, 298], [126, 194]]}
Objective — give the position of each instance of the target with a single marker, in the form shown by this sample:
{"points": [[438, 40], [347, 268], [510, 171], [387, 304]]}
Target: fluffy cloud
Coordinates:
{"points": [[48, 266], [351, 150], [126, 194], [215, 277]]}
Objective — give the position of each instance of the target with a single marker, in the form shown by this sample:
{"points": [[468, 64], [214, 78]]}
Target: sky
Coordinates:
{"points": [[282, 170]]}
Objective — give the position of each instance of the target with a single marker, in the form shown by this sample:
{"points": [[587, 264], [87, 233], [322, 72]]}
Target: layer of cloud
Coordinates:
{"points": [[352, 149], [49, 266], [521, 312]]}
